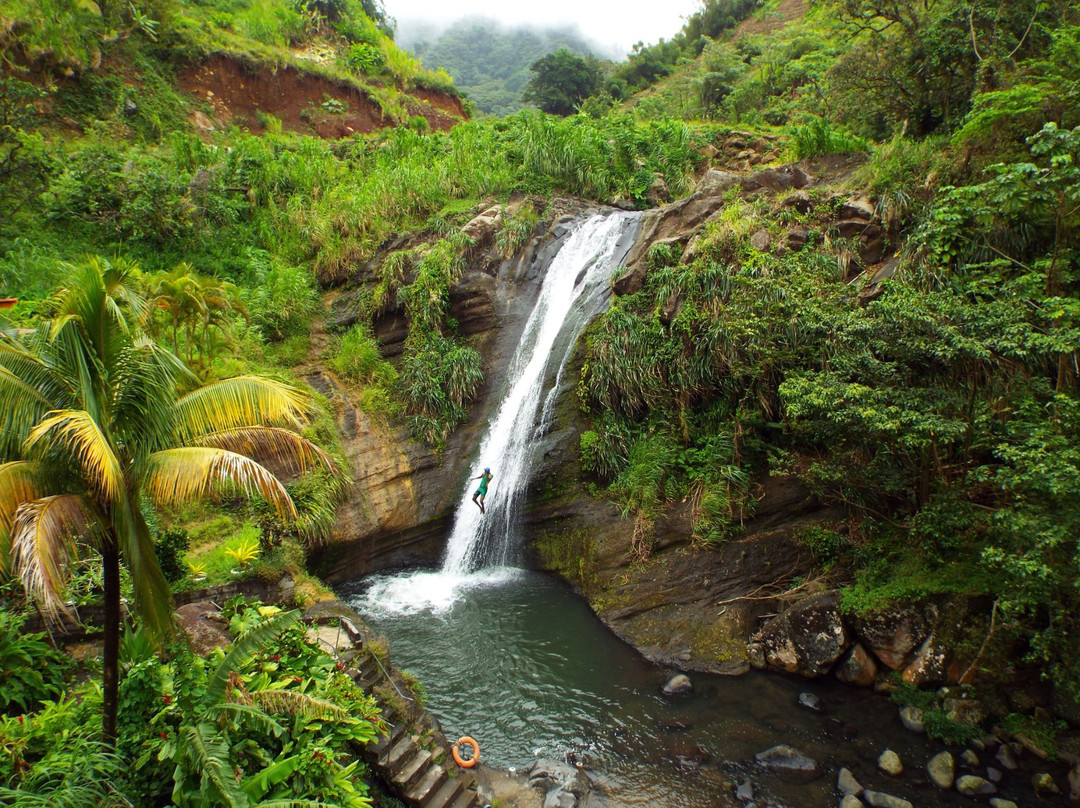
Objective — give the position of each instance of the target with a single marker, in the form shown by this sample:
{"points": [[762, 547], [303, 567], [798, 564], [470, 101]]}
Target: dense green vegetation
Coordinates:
{"points": [[490, 63]]}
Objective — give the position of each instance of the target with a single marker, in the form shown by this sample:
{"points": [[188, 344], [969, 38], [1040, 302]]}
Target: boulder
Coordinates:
{"points": [[1033, 746], [808, 638], [778, 179], [851, 801], [205, 627], [716, 182], [857, 668], [799, 201], [482, 227], [971, 786], [969, 712], [787, 758], [880, 800], [871, 250], [658, 192], [893, 634], [1043, 783], [889, 762], [796, 238], [912, 718], [708, 151], [761, 240], [847, 784], [930, 666], [856, 228], [857, 207], [811, 702], [677, 685], [942, 770]]}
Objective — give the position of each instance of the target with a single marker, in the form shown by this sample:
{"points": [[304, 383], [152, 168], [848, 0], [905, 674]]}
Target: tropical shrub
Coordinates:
{"points": [[31, 670]]}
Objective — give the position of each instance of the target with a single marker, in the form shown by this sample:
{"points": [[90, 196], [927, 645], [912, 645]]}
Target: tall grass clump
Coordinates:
{"points": [[821, 137]]}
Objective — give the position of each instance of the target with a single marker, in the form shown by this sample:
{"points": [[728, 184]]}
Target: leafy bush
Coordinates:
{"points": [[282, 300], [169, 547], [32, 671]]}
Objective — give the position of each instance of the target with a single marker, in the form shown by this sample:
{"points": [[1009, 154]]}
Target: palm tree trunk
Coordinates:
{"points": [[110, 677]]}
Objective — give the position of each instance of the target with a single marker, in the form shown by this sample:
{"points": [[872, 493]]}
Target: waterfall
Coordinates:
{"points": [[575, 288]]}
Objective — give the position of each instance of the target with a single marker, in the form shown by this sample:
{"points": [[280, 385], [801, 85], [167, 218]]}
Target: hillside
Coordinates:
{"points": [[490, 63]]}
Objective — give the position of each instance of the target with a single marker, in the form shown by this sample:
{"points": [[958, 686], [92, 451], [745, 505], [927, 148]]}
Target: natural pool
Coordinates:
{"points": [[516, 660]]}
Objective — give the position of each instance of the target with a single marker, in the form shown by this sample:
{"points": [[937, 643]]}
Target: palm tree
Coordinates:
{"points": [[96, 416]]}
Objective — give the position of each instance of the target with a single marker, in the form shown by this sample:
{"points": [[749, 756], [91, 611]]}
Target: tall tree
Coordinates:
{"points": [[96, 416], [562, 82]]}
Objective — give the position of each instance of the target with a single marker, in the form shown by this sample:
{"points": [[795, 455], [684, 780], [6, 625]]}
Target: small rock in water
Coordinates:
{"points": [[971, 786], [847, 784], [969, 758], [912, 719], [786, 757], [879, 800], [1005, 758], [889, 762], [997, 802], [942, 770], [684, 655], [678, 685], [745, 791], [1043, 783], [851, 801], [811, 702], [993, 775]]}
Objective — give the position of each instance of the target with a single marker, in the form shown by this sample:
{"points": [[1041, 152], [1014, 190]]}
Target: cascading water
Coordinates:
{"points": [[482, 546]]}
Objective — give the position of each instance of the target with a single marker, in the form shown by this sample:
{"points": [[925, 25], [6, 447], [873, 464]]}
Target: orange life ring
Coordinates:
{"points": [[459, 760]]}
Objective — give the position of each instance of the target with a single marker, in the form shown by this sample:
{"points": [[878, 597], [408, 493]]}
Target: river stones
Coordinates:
{"points": [[942, 770], [972, 786], [787, 758], [969, 758], [889, 762], [564, 786], [677, 685], [847, 784], [811, 702], [858, 667], [912, 719], [879, 799], [1043, 783], [994, 775], [745, 791], [998, 802], [1005, 757], [851, 801]]}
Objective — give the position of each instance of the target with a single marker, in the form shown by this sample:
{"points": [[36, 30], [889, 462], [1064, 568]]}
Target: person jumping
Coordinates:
{"points": [[481, 492]]}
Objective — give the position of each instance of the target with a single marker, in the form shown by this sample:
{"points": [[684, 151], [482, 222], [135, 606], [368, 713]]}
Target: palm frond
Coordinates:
{"points": [[255, 714], [239, 402], [282, 450], [22, 406], [292, 704], [76, 434], [210, 752], [43, 541], [153, 596], [247, 644], [20, 481], [178, 476]]}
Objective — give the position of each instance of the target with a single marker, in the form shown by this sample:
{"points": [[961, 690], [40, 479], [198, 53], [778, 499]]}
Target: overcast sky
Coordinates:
{"points": [[613, 24]]}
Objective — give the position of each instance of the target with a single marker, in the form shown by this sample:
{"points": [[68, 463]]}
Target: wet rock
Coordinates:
{"points": [[787, 757], [969, 712], [716, 181], [969, 758], [1005, 757], [998, 802], [994, 775], [811, 702], [847, 784], [851, 801], [1033, 746], [930, 666], [677, 685], [942, 770], [858, 207], [893, 634], [1043, 783], [808, 638], [564, 786], [912, 718], [880, 800], [857, 668], [745, 791], [687, 755], [889, 762], [761, 240], [971, 786], [796, 238]]}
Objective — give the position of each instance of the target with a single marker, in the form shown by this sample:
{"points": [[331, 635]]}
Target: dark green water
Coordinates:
{"points": [[522, 665]]}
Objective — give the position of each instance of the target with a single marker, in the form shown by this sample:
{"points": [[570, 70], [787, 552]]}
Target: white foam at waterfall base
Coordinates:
{"points": [[482, 547]]}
